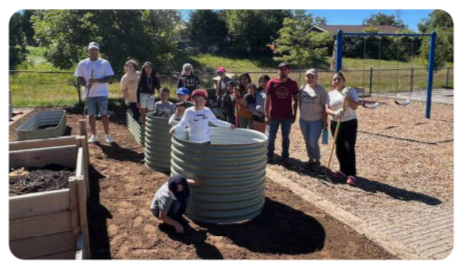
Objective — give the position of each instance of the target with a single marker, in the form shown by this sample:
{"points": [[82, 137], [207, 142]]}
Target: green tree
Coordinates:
{"points": [[206, 26], [254, 28], [17, 41], [122, 34], [384, 19], [440, 22], [299, 46], [27, 26]]}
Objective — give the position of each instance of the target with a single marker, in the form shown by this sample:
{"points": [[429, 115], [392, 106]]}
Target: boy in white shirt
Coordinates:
{"points": [[197, 118]]}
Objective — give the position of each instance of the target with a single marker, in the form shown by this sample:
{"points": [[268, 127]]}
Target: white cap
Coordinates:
{"points": [[93, 45], [312, 71]]}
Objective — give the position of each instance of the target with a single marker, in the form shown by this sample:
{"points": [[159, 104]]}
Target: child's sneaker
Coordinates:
{"points": [[108, 139], [351, 180]]}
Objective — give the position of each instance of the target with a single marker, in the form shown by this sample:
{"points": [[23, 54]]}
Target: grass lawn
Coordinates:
{"points": [[44, 89]]}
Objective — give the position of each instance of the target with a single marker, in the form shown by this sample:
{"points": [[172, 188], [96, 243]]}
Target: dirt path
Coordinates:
{"points": [[122, 227]]}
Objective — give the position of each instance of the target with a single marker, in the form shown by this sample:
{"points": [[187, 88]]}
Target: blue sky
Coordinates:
{"points": [[355, 17]]}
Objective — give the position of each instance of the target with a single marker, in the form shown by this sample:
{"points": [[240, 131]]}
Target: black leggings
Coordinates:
{"points": [[135, 111], [345, 145]]}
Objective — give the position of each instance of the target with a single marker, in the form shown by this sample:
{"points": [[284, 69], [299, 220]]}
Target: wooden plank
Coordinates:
{"points": [[64, 155], [73, 198], [40, 225], [40, 203], [42, 143], [66, 255], [83, 143], [41, 246], [82, 170], [83, 214], [82, 127]]}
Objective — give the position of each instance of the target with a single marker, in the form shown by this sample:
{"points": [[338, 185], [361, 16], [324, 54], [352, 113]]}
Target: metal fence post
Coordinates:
{"points": [[371, 74], [411, 79]]}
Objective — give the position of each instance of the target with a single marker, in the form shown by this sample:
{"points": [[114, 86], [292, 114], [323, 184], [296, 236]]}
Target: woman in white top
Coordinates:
{"points": [[314, 118], [346, 140], [197, 118]]}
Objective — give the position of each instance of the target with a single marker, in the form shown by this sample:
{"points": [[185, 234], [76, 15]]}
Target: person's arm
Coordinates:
{"points": [[267, 108], [197, 180], [124, 87], [294, 107], [166, 219], [324, 100], [106, 79], [352, 98], [215, 121], [182, 124], [82, 81]]}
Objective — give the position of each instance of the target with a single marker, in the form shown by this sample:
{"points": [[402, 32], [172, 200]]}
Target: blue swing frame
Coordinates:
{"points": [[432, 48]]}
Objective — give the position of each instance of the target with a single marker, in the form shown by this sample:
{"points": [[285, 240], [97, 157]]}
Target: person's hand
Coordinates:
{"points": [[268, 120], [92, 80], [179, 229], [339, 113], [172, 132], [88, 86], [346, 92], [325, 126], [198, 179]]}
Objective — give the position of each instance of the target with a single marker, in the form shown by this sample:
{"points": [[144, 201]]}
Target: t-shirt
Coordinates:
{"points": [[190, 82], [163, 199], [129, 83], [102, 69], [313, 101], [281, 95], [164, 109], [222, 85], [197, 121], [174, 119], [335, 103]]}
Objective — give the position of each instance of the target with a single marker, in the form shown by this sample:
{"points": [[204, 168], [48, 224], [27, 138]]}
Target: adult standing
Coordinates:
{"points": [[221, 85], [281, 109], [129, 83], [187, 79], [94, 74], [147, 86], [314, 118], [346, 139]]}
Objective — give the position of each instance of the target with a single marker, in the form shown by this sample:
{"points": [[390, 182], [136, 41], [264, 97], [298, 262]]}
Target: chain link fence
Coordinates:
{"points": [[39, 89]]}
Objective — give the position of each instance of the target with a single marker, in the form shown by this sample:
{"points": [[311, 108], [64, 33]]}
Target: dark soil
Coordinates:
{"points": [[46, 126], [121, 225], [51, 177]]}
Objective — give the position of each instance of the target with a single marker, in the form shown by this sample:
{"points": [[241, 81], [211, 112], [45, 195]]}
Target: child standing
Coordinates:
{"points": [[179, 111], [228, 103], [164, 108], [147, 86], [197, 118], [129, 83], [183, 96]]}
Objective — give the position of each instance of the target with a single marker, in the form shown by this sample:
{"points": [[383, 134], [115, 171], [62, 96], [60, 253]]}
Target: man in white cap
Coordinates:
{"points": [[95, 74]]}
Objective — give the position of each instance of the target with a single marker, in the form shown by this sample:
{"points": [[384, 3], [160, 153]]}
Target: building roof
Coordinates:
{"points": [[354, 28]]}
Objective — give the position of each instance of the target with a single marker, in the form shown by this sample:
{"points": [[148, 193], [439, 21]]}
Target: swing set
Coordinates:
{"points": [[375, 104]]}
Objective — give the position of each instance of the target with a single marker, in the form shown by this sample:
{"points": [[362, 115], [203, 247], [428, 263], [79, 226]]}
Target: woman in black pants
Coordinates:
{"points": [[346, 139]]}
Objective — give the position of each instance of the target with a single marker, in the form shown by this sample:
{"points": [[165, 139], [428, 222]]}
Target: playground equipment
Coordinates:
{"points": [[233, 169], [157, 143], [432, 46]]}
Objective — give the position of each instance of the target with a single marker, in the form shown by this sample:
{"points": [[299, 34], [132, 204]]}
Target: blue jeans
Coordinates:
{"points": [[285, 131], [95, 104], [311, 130]]}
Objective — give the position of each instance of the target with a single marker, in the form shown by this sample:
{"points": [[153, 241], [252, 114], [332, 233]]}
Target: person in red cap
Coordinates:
{"points": [[196, 118], [281, 108], [221, 86]]}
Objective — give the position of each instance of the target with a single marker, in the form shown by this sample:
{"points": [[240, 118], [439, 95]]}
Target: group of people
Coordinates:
{"points": [[267, 106]]}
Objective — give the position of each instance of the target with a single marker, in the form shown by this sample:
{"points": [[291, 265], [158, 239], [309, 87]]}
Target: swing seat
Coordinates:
{"points": [[404, 103]]}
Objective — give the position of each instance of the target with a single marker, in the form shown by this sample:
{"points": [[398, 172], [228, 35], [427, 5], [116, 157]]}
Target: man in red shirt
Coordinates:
{"points": [[281, 108]]}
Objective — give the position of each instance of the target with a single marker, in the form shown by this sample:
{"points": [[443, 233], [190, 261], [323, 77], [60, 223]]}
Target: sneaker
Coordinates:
{"points": [[351, 180], [316, 166], [108, 138], [338, 174], [93, 139]]}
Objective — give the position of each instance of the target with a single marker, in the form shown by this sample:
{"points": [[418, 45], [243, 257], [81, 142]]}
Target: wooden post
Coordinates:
{"points": [[81, 188], [74, 205], [83, 127]]}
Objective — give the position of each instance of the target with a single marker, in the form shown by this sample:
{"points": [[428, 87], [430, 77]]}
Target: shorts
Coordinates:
{"points": [[259, 119], [147, 101], [96, 105]]}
